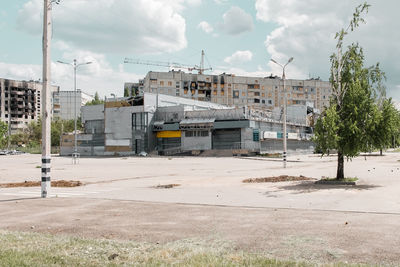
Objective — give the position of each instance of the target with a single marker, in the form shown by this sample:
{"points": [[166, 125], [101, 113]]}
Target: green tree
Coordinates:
{"points": [[32, 135], [3, 134], [350, 124], [387, 132], [95, 101], [126, 92]]}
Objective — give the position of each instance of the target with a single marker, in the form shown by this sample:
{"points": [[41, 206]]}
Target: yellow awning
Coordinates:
{"points": [[169, 134]]}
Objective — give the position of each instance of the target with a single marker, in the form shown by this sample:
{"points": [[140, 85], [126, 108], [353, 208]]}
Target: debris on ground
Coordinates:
{"points": [[160, 186], [276, 179], [112, 256], [59, 183]]}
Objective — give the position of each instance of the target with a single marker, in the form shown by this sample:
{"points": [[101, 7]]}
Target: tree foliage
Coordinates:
{"points": [[3, 134], [359, 117], [126, 91], [32, 135], [95, 101]]}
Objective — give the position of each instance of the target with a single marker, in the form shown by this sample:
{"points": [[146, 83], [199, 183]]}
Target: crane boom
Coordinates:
{"points": [[156, 63], [175, 65]]}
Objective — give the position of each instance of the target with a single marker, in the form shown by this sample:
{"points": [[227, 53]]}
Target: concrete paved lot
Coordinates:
{"points": [[291, 220], [217, 181]]}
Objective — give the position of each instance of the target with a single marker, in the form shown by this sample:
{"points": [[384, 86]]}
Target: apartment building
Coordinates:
{"points": [[239, 91], [20, 102], [68, 103]]}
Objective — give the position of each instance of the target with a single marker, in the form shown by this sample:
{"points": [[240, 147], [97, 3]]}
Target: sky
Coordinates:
{"points": [[238, 36]]}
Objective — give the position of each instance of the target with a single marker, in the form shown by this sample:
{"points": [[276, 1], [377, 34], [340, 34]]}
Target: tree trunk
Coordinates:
{"points": [[340, 166], [380, 152]]}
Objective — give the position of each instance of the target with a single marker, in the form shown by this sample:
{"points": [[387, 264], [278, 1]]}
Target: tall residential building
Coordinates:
{"points": [[65, 103], [239, 91], [20, 102]]}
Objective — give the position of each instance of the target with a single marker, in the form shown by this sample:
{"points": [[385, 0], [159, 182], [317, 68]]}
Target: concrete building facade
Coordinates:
{"points": [[239, 91], [20, 102], [170, 125], [65, 103]]}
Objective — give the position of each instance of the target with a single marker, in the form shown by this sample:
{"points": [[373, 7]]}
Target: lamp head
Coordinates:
{"points": [[290, 59]]}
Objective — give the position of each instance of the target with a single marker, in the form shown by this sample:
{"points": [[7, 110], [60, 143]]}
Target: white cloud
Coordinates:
{"points": [[220, 2], [306, 30], [260, 72], [194, 2], [236, 21], [239, 57], [116, 26], [98, 76], [206, 27]]}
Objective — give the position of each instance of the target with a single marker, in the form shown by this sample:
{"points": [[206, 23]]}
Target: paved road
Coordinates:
{"points": [[217, 181]]}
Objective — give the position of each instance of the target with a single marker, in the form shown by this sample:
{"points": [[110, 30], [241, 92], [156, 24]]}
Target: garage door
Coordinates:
{"points": [[226, 139]]}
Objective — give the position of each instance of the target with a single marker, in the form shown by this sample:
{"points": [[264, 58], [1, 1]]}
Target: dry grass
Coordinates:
{"points": [[276, 179], [34, 249], [166, 186], [59, 183]]}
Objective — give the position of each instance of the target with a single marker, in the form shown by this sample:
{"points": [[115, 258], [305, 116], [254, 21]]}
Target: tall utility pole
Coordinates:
{"points": [[284, 110], [46, 109]]}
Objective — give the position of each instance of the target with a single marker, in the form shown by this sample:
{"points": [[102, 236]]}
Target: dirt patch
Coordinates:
{"points": [[165, 186], [59, 183], [276, 179]]}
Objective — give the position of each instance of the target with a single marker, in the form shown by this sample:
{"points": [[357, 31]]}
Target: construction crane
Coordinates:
{"points": [[171, 65]]}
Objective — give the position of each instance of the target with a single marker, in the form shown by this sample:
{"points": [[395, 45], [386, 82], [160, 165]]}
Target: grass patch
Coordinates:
{"points": [[33, 249], [348, 179], [59, 183], [334, 181], [276, 179], [166, 186], [271, 155]]}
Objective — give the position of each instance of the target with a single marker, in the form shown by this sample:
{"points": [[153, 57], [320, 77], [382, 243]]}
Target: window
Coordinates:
{"points": [[169, 83], [235, 94], [203, 133], [196, 133], [243, 94], [139, 121]]}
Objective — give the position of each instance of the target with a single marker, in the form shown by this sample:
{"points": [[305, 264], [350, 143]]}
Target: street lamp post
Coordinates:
{"points": [[75, 155], [284, 110]]}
